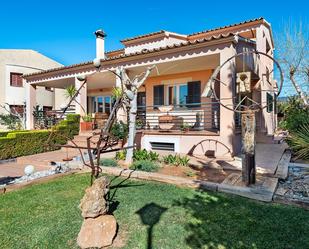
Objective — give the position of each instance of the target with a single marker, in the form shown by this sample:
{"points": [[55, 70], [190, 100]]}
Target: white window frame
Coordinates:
{"points": [[96, 106], [177, 85]]}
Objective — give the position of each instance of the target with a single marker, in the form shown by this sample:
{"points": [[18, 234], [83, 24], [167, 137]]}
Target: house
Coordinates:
{"points": [[184, 64], [13, 64]]}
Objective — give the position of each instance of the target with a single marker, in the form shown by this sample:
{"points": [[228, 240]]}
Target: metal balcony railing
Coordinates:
{"points": [[183, 117]]}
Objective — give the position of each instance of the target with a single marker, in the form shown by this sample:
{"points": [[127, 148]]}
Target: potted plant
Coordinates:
{"points": [[86, 123], [120, 131], [185, 127], [139, 124]]}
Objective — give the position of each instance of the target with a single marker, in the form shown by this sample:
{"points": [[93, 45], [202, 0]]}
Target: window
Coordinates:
{"points": [[101, 104], [184, 95], [194, 94], [17, 109], [47, 108], [16, 79], [172, 93], [270, 102], [158, 95]]}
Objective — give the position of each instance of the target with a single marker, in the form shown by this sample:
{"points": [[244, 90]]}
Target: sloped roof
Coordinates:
{"points": [[144, 51], [143, 36], [117, 54], [227, 26]]}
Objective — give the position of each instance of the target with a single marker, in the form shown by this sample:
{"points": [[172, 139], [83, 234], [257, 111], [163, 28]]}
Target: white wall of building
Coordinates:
{"points": [[25, 62], [158, 42]]}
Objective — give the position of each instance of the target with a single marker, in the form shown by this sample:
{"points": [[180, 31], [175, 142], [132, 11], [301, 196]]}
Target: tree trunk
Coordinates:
{"points": [[132, 128], [248, 147], [298, 90]]}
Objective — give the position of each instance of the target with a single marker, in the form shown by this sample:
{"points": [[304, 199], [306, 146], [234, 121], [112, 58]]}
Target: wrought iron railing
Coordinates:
{"points": [[185, 117], [46, 119]]}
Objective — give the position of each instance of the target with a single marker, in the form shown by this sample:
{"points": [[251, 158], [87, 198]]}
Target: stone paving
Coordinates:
{"points": [[295, 189], [40, 161]]}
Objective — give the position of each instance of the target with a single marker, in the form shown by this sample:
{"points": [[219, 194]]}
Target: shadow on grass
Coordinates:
{"points": [[223, 221], [113, 204], [150, 215]]}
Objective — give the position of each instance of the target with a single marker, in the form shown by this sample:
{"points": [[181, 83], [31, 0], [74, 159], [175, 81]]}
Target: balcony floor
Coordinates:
{"points": [[180, 133]]}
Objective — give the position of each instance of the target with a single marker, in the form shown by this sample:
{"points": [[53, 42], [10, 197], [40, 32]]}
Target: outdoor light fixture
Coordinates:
{"points": [[130, 94], [81, 77], [97, 62]]}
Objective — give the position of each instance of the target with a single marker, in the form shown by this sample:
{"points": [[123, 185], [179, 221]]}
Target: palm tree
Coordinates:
{"points": [[70, 93]]}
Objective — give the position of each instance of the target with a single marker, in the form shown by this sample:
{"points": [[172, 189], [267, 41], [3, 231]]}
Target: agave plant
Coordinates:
{"points": [[299, 141]]}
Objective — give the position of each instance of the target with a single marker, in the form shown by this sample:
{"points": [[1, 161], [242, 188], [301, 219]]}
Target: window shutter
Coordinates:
{"points": [[16, 79], [194, 94], [158, 95], [270, 102]]}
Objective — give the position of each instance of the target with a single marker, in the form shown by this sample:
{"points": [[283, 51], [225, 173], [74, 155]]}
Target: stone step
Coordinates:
{"points": [[264, 138], [84, 138], [283, 165]]}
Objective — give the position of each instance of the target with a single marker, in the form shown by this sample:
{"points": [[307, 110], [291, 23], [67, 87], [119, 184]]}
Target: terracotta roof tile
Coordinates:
{"points": [[227, 26], [142, 36], [144, 51]]}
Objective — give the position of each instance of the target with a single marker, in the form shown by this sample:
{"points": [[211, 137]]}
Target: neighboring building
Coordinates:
{"points": [[13, 64], [184, 65]]}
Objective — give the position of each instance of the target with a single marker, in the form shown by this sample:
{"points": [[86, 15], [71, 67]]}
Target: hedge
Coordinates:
{"points": [[21, 143]]}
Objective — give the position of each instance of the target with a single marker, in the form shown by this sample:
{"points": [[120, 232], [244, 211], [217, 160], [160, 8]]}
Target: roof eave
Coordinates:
{"points": [[207, 42]]}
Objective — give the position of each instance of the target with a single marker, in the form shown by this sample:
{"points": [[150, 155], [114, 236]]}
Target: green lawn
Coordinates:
{"points": [[47, 216]]}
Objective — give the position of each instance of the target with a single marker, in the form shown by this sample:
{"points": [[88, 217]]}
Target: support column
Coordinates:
{"points": [[121, 113], [227, 121], [81, 98], [30, 105]]}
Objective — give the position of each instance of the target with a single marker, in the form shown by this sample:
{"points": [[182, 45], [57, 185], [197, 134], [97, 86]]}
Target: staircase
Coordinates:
{"points": [[80, 140], [264, 138]]}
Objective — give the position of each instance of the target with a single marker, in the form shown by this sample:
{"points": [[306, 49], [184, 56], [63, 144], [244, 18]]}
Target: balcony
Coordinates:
{"points": [[184, 119]]}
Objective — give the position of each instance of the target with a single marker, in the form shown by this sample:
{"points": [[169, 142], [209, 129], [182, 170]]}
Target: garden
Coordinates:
{"points": [[294, 118], [47, 216]]}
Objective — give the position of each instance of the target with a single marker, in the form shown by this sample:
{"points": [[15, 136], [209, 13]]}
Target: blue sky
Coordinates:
{"points": [[63, 30]]}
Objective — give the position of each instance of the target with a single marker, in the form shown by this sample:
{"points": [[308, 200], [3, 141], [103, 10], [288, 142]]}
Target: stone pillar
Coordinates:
{"points": [[30, 105], [81, 98], [121, 113]]}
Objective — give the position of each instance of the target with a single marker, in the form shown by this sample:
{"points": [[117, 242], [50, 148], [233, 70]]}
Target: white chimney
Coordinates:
{"points": [[100, 50]]}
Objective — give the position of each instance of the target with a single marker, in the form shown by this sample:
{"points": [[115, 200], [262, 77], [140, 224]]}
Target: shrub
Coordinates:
{"points": [[108, 162], [176, 160], [70, 126], [87, 118], [119, 130], [294, 114], [145, 155], [299, 141], [23, 143], [121, 155], [183, 160], [145, 165], [138, 155], [10, 121]]}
